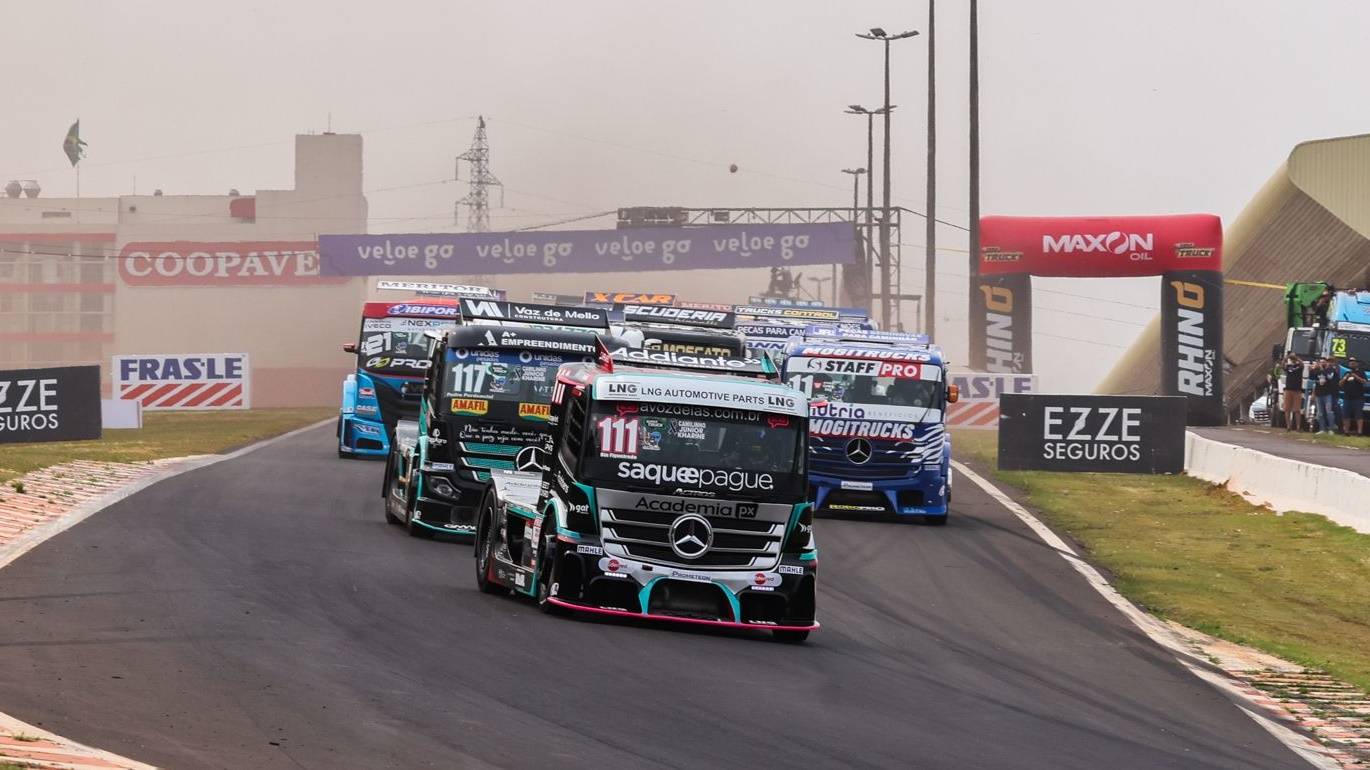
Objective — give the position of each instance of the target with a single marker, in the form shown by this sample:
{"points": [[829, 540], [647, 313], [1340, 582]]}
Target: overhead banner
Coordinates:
{"points": [[1185, 250], [588, 251], [1103, 434], [57, 404], [237, 263], [628, 297], [184, 382], [1106, 247]]}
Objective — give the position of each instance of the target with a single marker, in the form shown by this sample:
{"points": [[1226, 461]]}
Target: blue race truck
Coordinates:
{"points": [[878, 443]]}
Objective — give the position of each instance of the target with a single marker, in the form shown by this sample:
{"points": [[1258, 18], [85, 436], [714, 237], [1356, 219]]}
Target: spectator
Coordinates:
{"points": [[1353, 398], [1321, 304], [1292, 405], [1324, 375]]}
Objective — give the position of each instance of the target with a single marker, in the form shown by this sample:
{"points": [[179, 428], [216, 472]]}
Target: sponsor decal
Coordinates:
{"points": [[863, 428], [245, 263], [363, 428], [414, 308], [1137, 246], [768, 330], [790, 569], [731, 480], [56, 404], [719, 306], [680, 315], [809, 314], [627, 297], [406, 324], [470, 406], [441, 467], [690, 348], [756, 396], [1090, 433], [388, 362], [590, 550], [726, 509], [184, 382], [858, 508], [513, 338], [858, 486], [521, 312], [1188, 250], [996, 254], [880, 354], [695, 577], [541, 412], [445, 289]]}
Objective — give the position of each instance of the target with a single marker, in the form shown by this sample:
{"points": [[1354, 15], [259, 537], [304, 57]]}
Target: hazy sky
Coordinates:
{"points": [[1088, 107]]}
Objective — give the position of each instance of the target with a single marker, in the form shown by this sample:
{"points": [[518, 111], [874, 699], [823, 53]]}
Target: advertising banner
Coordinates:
{"points": [[628, 297], [978, 406], [588, 251], [1003, 324], [523, 312], [184, 382], [1192, 342], [58, 404], [1084, 247], [239, 263], [1104, 434]]}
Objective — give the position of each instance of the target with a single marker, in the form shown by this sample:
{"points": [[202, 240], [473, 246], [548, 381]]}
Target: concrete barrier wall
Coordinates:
{"points": [[1283, 484]]}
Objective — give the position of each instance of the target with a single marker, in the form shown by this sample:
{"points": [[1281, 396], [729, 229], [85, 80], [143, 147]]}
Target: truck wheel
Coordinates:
{"points": [[485, 551], [547, 570], [411, 506], [387, 489], [790, 637]]}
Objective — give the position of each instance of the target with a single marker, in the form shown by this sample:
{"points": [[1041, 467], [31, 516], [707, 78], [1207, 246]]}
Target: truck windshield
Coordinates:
{"points": [[396, 345], [1343, 346], [475, 378], [694, 450], [887, 383]]}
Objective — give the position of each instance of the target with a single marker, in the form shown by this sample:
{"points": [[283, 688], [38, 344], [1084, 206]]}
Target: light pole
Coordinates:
{"points": [[877, 33], [978, 350], [856, 109], [930, 258], [855, 207]]}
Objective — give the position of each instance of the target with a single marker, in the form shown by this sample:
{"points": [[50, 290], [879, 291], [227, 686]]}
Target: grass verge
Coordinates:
{"points": [[164, 434], [1295, 585]]}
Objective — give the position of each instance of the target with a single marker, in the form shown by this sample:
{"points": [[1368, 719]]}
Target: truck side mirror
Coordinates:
{"points": [[411, 388], [1276, 352], [953, 394], [349, 347]]}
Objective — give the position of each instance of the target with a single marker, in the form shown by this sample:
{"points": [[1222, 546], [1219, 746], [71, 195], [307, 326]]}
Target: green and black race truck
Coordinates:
{"points": [[484, 406]]}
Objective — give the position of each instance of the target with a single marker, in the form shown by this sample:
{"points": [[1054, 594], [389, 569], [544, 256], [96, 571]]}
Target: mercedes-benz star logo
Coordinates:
{"points": [[529, 459], [859, 450], [691, 536]]}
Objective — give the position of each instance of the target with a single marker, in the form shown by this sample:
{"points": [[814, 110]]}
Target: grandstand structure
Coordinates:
{"points": [[1309, 222]]}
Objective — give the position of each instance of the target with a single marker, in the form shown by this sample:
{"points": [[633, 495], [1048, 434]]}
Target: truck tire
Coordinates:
{"points": [[485, 550], [387, 489], [411, 506], [547, 569]]}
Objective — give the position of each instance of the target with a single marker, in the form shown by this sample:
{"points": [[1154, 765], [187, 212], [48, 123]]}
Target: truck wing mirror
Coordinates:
{"points": [[953, 394], [411, 388], [349, 347], [1276, 352]]}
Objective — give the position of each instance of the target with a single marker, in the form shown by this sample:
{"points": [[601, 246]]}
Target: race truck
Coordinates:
{"points": [[392, 350], [484, 406], [680, 330], [877, 437], [671, 494]]}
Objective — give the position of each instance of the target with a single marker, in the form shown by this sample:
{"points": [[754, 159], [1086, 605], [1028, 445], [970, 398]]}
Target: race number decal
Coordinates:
{"points": [[1339, 347], [802, 382], [468, 378], [618, 436]]}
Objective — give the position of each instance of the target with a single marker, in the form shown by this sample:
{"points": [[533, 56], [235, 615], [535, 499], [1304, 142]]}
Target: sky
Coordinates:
{"points": [[1087, 107]]}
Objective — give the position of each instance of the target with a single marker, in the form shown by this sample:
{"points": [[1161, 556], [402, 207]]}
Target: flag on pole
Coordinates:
{"points": [[72, 145]]}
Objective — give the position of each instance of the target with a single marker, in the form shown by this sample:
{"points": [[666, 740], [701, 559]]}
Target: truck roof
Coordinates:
{"points": [[1350, 307], [727, 391], [864, 351]]}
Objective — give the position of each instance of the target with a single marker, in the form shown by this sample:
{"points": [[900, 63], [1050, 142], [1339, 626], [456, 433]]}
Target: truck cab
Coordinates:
{"points": [[878, 443], [670, 494], [484, 406], [1345, 336]]}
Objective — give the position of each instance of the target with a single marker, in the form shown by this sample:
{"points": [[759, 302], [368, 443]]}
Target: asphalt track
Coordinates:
{"points": [[259, 613], [1290, 445]]}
